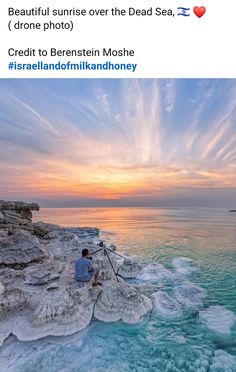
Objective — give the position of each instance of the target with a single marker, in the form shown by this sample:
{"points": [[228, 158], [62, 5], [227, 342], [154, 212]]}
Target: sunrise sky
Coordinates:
{"points": [[118, 142]]}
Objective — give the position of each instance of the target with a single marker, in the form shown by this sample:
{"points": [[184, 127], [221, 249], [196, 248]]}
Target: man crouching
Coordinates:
{"points": [[84, 270]]}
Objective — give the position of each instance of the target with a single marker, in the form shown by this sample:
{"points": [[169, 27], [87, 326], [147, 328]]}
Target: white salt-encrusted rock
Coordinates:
{"points": [[3, 235], [1, 217], [129, 269], [42, 274], [218, 319], [21, 208], [156, 272], [6, 328], [2, 288], [222, 361], [106, 275], [45, 230], [57, 312], [61, 312], [189, 294], [82, 232], [102, 262], [40, 228], [14, 218], [18, 205], [38, 293], [10, 277], [16, 212], [166, 305], [10, 300], [119, 301], [183, 265], [112, 247], [21, 248]]}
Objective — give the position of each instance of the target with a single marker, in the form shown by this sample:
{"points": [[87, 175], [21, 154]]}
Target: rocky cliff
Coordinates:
{"points": [[38, 293]]}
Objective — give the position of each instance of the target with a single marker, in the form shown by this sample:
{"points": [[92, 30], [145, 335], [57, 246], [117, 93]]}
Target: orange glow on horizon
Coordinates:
{"points": [[60, 179]]}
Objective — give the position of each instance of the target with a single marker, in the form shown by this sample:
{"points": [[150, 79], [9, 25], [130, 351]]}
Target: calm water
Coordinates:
{"points": [[158, 342]]}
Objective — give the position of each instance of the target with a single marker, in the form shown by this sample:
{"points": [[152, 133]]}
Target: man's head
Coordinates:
{"points": [[85, 252]]}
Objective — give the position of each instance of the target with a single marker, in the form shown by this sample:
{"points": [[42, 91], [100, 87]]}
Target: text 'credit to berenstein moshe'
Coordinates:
{"points": [[112, 39]]}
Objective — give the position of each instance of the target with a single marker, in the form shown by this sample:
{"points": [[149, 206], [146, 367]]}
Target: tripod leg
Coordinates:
{"points": [[115, 253], [96, 251], [112, 266]]}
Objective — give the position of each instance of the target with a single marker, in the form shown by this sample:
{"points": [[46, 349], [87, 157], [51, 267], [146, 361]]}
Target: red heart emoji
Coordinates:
{"points": [[199, 11]]}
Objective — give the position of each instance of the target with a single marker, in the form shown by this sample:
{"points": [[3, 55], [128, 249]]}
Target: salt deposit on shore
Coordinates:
{"points": [[38, 293]]}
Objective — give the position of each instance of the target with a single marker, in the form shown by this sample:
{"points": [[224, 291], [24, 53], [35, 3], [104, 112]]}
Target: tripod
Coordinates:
{"points": [[105, 249]]}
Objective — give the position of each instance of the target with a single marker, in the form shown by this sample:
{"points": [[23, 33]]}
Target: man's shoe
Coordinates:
{"points": [[94, 284]]}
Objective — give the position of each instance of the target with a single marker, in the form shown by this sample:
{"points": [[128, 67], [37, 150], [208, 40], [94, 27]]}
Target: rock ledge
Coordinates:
{"points": [[38, 294]]}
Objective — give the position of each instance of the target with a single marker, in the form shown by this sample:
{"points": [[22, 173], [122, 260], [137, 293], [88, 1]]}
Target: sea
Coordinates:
{"points": [[189, 261]]}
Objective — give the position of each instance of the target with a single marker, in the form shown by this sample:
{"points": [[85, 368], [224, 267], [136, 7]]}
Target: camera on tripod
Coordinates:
{"points": [[106, 251]]}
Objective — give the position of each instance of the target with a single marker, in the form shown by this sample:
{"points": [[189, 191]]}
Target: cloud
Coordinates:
{"points": [[170, 95], [111, 139]]}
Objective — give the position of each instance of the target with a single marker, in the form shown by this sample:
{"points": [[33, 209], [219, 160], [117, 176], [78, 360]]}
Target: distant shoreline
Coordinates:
{"points": [[135, 207]]}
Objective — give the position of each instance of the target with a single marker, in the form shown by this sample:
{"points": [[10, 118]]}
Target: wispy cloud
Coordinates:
{"points": [[170, 95], [116, 138]]}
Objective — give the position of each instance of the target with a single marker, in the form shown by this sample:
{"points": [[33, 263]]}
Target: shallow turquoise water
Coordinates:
{"points": [[157, 343]]}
